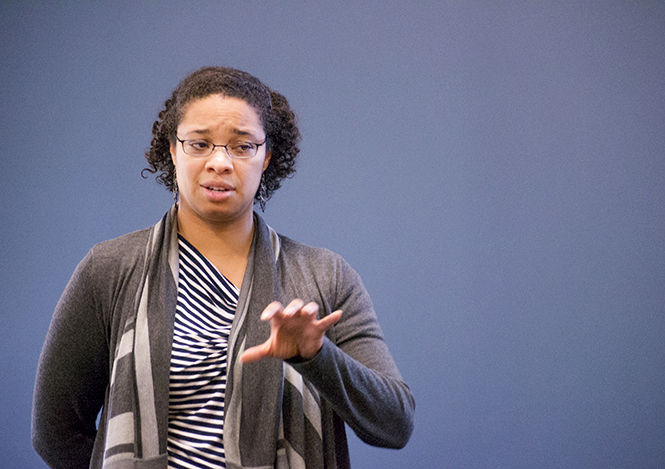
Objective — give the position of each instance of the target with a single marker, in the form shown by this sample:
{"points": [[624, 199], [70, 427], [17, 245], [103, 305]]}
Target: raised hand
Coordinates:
{"points": [[294, 331]]}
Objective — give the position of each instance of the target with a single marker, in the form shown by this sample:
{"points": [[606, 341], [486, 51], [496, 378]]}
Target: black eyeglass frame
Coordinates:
{"points": [[225, 147]]}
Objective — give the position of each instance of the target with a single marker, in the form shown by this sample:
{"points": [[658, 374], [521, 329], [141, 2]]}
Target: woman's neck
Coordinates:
{"points": [[226, 245]]}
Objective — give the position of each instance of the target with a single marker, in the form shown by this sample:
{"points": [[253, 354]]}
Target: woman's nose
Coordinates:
{"points": [[220, 159]]}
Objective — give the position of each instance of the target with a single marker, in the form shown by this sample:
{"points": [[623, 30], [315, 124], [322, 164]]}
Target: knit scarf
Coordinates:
{"points": [[272, 414]]}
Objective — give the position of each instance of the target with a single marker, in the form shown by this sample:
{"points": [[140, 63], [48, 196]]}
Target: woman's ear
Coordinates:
{"points": [[172, 151], [266, 162]]}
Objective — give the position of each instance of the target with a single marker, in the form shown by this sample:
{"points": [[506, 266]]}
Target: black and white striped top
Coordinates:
{"points": [[205, 308]]}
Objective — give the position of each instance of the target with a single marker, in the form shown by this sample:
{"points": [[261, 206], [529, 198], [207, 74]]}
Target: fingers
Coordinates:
{"points": [[293, 307], [310, 309], [270, 310], [330, 320], [275, 309], [298, 306]]}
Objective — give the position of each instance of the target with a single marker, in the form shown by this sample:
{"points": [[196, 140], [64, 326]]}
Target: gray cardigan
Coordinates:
{"points": [[354, 373]]}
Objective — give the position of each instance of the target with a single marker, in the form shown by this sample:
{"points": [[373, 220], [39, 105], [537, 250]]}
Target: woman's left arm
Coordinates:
{"points": [[356, 373], [352, 368]]}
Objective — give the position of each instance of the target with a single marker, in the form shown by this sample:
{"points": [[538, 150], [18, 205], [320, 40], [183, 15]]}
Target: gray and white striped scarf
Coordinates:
{"points": [[272, 415]]}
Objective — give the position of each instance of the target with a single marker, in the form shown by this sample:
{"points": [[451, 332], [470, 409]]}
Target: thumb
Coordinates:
{"points": [[255, 353]]}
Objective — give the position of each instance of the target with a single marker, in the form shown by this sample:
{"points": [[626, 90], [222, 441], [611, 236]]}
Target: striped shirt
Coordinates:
{"points": [[205, 308]]}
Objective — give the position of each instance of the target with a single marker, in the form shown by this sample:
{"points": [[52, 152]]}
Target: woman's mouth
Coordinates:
{"points": [[217, 192]]}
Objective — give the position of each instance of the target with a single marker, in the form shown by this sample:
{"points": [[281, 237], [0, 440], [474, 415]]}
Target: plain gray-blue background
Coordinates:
{"points": [[494, 170]]}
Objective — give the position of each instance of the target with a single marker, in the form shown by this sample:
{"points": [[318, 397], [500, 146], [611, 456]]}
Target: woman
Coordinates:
{"points": [[208, 340]]}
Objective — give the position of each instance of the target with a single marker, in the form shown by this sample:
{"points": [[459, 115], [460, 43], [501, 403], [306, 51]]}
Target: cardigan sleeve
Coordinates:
{"points": [[355, 372], [71, 376]]}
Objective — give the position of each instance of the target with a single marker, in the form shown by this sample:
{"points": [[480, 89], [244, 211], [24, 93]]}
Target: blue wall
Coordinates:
{"points": [[495, 173]]}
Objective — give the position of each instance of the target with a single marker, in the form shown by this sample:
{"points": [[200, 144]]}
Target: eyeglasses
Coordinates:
{"points": [[203, 148]]}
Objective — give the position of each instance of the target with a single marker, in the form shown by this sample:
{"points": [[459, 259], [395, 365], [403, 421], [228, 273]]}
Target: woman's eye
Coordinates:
{"points": [[199, 144], [243, 147]]}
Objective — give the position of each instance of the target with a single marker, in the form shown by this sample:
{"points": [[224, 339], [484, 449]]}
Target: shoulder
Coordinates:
{"points": [[128, 247], [288, 251], [105, 271], [115, 257], [295, 252], [315, 264]]}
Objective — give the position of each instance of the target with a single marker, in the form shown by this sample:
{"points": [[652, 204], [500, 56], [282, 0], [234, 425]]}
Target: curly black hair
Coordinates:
{"points": [[279, 124]]}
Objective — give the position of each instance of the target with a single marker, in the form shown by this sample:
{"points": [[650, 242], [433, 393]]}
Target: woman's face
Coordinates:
{"points": [[217, 189]]}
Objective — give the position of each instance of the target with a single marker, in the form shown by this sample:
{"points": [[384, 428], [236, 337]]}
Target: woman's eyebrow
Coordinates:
{"points": [[243, 132], [197, 131], [239, 132]]}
